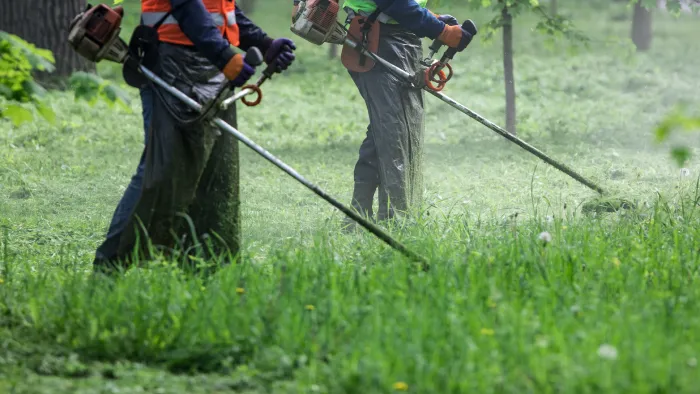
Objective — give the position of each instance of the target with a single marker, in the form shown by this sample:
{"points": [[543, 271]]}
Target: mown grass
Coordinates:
{"points": [[609, 305]]}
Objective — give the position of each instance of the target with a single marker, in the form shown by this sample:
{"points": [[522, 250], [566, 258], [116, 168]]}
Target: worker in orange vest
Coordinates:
{"points": [[183, 197]]}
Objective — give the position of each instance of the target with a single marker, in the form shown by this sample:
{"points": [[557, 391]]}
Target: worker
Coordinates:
{"points": [[189, 167], [390, 157]]}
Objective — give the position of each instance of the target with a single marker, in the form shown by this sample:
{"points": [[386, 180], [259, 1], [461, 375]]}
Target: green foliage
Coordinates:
{"points": [[91, 88], [674, 7], [551, 25], [18, 59], [677, 120]]}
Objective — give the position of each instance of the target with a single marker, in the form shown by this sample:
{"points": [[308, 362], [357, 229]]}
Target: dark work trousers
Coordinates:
{"points": [[188, 180], [133, 191], [390, 157]]}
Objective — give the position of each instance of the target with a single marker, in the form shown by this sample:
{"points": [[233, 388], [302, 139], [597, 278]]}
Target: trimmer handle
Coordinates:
{"points": [[470, 27], [254, 57]]}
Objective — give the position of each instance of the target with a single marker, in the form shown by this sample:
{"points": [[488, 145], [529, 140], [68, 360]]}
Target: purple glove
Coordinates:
{"points": [[246, 73], [281, 53], [448, 20]]}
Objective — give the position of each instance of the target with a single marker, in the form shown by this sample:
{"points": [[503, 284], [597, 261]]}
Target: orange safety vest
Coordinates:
{"points": [[223, 12]]}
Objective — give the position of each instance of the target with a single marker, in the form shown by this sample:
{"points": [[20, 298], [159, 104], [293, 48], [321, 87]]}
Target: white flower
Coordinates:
{"points": [[685, 172], [607, 352], [692, 362], [545, 237], [575, 309]]}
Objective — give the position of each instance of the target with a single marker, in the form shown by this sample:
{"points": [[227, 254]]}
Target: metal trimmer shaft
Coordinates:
{"points": [[463, 109], [371, 227]]}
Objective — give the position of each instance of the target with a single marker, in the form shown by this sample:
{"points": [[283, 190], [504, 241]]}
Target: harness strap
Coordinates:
{"points": [[366, 28]]}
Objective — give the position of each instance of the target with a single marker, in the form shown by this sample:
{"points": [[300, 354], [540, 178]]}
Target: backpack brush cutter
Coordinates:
{"points": [[94, 34], [316, 22]]}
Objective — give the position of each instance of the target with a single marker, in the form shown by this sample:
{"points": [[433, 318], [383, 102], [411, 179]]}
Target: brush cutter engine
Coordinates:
{"points": [[94, 34], [316, 21]]}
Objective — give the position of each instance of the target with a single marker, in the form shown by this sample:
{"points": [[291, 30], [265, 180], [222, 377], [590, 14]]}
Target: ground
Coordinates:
{"points": [[608, 304]]}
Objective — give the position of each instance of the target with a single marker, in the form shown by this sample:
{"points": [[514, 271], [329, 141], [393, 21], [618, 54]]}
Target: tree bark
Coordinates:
{"points": [[45, 24], [508, 69], [641, 27]]}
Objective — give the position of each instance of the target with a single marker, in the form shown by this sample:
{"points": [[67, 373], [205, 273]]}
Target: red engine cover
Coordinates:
{"points": [[102, 22], [324, 13]]}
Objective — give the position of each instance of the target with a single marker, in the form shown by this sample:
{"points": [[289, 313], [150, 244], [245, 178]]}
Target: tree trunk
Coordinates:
{"points": [[641, 27], [332, 51], [508, 73], [45, 24], [553, 7]]}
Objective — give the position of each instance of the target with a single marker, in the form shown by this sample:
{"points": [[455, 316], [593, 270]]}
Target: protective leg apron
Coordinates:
{"points": [[390, 157], [188, 169]]}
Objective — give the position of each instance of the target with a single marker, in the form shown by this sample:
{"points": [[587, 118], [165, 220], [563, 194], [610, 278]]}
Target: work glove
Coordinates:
{"points": [[455, 37], [281, 53], [238, 71], [448, 19]]}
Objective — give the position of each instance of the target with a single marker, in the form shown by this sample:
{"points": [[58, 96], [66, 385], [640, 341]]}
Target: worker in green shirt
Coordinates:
{"points": [[390, 157]]}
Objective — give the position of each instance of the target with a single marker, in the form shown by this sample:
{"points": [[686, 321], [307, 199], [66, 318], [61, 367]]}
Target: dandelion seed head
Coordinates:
{"points": [[607, 352], [545, 237]]}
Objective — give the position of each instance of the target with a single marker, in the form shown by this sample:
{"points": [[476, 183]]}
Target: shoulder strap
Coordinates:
{"points": [[167, 14]]}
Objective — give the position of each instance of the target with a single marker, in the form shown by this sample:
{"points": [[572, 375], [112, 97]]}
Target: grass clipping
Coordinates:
{"points": [[606, 204]]}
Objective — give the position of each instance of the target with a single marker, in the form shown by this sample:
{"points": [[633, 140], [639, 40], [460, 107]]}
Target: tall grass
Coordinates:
{"points": [[606, 304]]}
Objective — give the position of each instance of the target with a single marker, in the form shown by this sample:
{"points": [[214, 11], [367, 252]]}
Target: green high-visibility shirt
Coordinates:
{"points": [[369, 6]]}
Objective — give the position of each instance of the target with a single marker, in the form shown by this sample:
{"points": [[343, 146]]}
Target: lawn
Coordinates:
{"points": [[526, 292]]}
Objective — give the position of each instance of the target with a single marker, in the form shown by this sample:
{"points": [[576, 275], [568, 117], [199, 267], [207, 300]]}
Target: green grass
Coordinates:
{"points": [[499, 312]]}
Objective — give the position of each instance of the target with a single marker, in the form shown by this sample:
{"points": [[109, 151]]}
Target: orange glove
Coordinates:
{"points": [[234, 67], [455, 37], [238, 71]]}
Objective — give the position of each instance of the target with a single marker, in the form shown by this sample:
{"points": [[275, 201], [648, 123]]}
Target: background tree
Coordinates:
{"points": [[45, 23], [642, 31], [641, 24], [506, 11]]}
